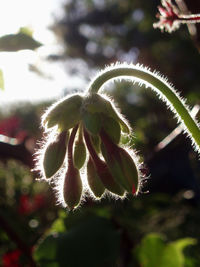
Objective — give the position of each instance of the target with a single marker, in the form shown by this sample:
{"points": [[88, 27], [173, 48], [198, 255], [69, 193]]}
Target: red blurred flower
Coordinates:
{"points": [[10, 126], [38, 201], [25, 206], [11, 259], [28, 204]]}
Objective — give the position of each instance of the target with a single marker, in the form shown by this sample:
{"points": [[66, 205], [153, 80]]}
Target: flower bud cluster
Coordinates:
{"points": [[88, 133]]}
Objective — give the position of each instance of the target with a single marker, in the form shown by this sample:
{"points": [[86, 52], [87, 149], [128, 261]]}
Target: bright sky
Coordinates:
{"points": [[20, 83]]}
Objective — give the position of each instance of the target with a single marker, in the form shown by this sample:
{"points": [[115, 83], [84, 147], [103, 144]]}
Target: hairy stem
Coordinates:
{"points": [[90, 147], [158, 84]]}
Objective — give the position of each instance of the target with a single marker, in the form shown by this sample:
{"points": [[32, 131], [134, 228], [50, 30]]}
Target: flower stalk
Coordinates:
{"points": [[72, 188], [158, 84]]}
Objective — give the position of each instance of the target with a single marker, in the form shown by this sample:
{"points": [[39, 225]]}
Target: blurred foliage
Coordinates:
{"points": [[19, 41], [1, 80], [150, 230], [154, 252], [102, 234], [23, 210], [16, 42]]}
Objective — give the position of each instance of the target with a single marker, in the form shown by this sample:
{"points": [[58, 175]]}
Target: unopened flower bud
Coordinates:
{"points": [[130, 170], [120, 164], [54, 155], [107, 179], [64, 113], [72, 189], [79, 153], [102, 169], [93, 179]]}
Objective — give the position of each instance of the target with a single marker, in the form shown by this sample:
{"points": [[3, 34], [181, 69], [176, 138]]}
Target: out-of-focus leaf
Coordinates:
{"points": [[58, 226], [1, 80], [173, 253], [153, 251], [39, 71], [150, 249], [180, 244], [19, 41], [93, 242], [46, 252], [26, 30]]}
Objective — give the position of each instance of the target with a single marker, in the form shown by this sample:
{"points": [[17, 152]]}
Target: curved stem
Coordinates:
{"points": [[158, 84]]}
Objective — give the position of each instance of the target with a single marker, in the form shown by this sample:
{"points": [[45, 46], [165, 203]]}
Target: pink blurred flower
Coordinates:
{"points": [[10, 126], [170, 17]]}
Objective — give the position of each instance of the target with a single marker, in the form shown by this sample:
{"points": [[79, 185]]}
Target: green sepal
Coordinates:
{"points": [[96, 103], [92, 122], [72, 189], [65, 113], [112, 129], [79, 153], [113, 114]]}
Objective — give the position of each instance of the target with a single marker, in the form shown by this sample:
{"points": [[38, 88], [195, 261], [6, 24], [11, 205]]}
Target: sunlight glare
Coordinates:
{"points": [[20, 82]]}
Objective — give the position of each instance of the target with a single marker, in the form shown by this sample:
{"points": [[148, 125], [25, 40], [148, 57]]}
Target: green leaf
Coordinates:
{"points": [[19, 41], [58, 226], [150, 249], [153, 251], [93, 242], [1, 80], [173, 253], [45, 253], [180, 244]]}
